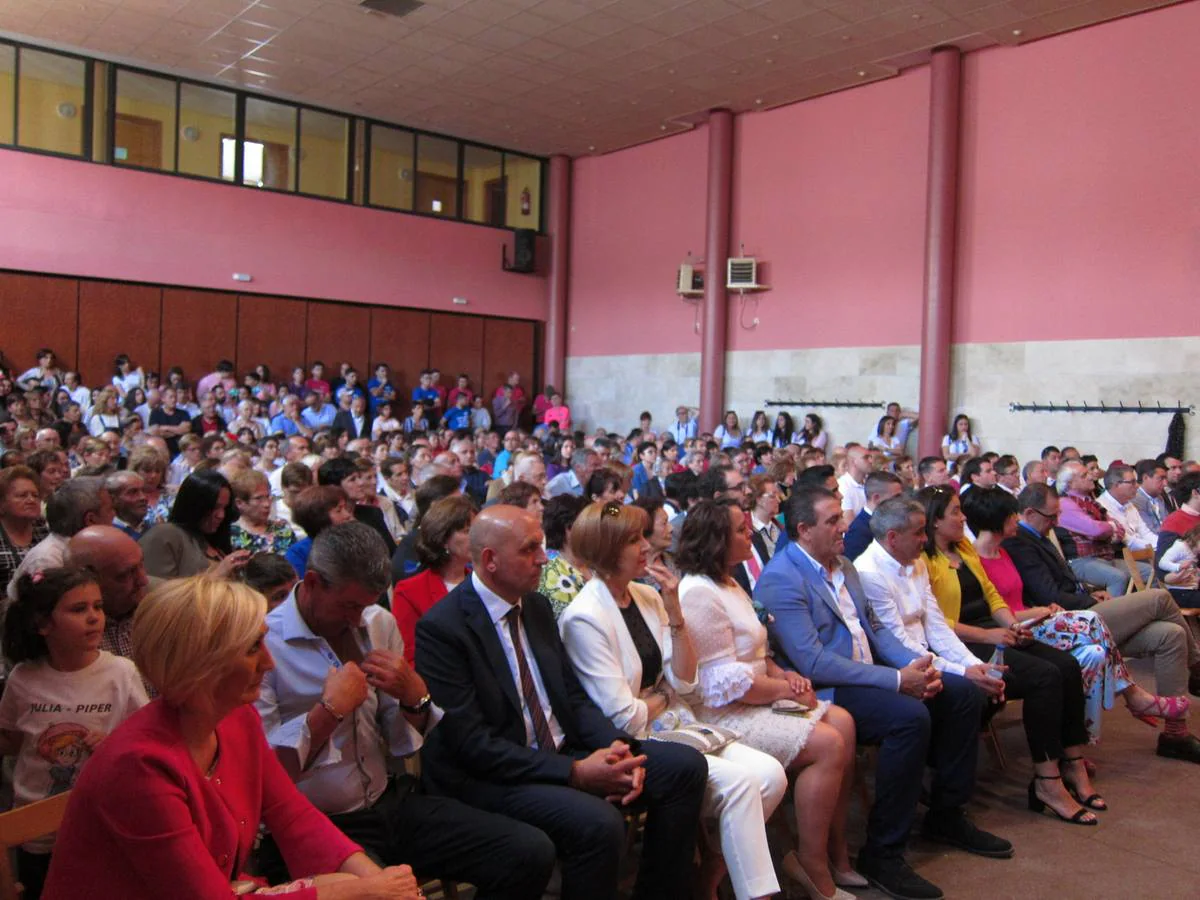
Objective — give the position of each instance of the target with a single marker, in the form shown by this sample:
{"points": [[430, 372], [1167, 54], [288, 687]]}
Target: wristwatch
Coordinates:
{"points": [[419, 707]]}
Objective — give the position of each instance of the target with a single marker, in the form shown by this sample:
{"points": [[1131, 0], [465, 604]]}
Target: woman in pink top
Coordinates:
{"points": [[170, 803], [992, 516], [558, 412]]}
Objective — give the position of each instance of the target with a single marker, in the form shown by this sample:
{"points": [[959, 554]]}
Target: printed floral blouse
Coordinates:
{"points": [[276, 539], [561, 582]]}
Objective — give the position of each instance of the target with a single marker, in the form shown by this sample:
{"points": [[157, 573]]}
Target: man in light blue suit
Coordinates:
{"points": [[823, 628]]}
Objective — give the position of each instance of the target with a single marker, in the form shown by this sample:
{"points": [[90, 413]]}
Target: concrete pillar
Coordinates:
{"points": [[558, 228], [714, 317]]}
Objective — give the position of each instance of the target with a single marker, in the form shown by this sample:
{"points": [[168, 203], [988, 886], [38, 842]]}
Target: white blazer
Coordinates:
{"points": [[605, 659]]}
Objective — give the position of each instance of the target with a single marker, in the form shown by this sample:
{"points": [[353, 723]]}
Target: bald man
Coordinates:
{"points": [[521, 737], [116, 560]]}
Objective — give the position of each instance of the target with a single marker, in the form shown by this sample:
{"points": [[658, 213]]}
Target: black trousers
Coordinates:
{"points": [[31, 872], [589, 832], [1050, 683], [442, 838]]}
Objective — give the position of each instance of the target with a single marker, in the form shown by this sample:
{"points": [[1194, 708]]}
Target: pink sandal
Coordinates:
{"points": [[1161, 708]]}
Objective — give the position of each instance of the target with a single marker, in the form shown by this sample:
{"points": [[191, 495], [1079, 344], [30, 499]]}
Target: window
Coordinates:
{"points": [[144, 131], [273, 127], [324, 153], [8, 91], [391, 181], [252, 161], [206, 116], [50, 102], [524, 175], [484, 186], [437, 177]]}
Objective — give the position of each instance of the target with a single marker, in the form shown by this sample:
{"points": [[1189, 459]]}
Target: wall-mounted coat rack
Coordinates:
{"points": [[836, 404], [1101, 408]]}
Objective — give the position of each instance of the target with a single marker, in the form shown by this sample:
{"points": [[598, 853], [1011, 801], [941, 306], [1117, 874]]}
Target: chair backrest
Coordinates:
{"points": [[24, 824], [1132, 558]]}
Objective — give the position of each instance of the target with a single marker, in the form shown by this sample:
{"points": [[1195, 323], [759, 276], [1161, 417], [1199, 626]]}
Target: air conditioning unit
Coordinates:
{"points": [[690, 281], [742, 274]]}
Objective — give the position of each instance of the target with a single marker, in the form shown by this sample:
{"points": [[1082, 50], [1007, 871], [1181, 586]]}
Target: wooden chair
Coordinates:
{"points": [[21, 825], [1132, 558]]}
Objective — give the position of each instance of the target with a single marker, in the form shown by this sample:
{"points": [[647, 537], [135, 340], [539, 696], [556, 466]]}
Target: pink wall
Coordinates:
{"points": [[73, 218], [1081, 190]]}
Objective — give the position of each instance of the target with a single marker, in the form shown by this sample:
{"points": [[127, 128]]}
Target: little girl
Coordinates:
{"points": [[63, 696], [1180, 560]]}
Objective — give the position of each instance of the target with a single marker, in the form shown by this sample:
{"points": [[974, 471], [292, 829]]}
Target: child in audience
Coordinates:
{"points": [[63, 695], [1179, 560], [272, 576]]}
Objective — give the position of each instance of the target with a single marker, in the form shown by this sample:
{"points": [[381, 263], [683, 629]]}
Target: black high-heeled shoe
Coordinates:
{"points": [[1091, 801], [1038, 805]]}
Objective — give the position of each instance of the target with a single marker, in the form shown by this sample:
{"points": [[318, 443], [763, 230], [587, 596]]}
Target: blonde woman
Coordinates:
{"points": [[106, 413]]}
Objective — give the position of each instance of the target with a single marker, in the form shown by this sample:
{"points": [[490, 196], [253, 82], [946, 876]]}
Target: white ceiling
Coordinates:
{"points": [[544, 76]]}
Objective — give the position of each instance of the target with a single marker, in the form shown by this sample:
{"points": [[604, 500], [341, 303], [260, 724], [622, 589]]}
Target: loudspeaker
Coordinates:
{"points": [[524, 245]]}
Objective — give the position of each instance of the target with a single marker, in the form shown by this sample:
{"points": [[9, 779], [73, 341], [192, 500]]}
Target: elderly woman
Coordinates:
{"points": [[314, 510], [198, 761], [1049, 680], [444, 551], [21, 522], [658, 534], [197, 535], [254, 529], [106, 413], [51, 468], [741, 687], [992, 515], [630, 646], [151, 464], [564, 574], [524, 495]]}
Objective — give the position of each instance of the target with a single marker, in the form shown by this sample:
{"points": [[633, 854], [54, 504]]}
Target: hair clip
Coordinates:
{"points": [[611, 509]]}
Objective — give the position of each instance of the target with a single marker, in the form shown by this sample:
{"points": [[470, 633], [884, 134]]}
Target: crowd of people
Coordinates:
{"points": [[249, 604]]}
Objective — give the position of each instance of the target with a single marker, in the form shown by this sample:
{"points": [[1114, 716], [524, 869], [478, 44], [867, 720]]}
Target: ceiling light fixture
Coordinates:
{"points": [[862, 74], [1017, 32]]}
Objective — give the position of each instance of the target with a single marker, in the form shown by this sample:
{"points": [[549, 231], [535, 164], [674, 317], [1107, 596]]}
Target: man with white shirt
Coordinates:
{"points": [[1008, 474], [1120, 487], [319, 414], [880, 486], [340, 693], [295, 450], [976, 472], [852, 485], [684, 426], [896, 582], [79, 392]]}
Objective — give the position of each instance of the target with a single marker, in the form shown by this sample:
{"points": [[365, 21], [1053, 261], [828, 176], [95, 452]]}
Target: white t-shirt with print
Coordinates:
{"points": [[53, 712]]}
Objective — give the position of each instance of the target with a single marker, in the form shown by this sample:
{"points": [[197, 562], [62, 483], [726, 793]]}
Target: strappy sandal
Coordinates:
{"points": [[1091, 801], [1038, 805]]}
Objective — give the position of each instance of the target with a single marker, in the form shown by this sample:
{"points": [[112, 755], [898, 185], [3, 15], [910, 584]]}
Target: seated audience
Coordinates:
{"points": [[886, 439], [1150, 497], [106, 413], [879, 486], [524, 495], [196, 537], [271, 575], [356, 421], [1120, 489], [52, 469], [1088, 536], [520, 737], [976, 472], [117, 563], [254, 529], [444, 551], [584, 462], [960, 441], [404, 560], [821, 629], [198, 752], [633, 654], [741, 688], [360, 488], [659, 535], [316, 508], [729, 433], [813, 434], [63, 696], [564, 574], [130, 505], [605, 486], [932, 471], [21, 524]]}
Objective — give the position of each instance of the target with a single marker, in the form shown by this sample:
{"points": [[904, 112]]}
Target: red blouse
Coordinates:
{"points": [[144, 823], [412, 598]]}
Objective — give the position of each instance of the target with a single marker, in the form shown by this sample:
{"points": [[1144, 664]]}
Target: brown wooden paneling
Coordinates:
{"points": [[270, 331], [38, 311], [400, 338], [117, 318], [199, 328], [508, 346], [338, 333], [456, 345]]}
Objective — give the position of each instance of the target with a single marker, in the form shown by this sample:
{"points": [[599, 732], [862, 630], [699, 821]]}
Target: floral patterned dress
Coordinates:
{"points": [[278, 538], [561, 582]]}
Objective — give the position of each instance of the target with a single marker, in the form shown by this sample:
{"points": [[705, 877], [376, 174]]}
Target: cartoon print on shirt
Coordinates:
{"points": [[64, 746]]}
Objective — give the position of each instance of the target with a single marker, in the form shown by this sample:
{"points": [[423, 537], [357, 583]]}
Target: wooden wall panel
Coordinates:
{"points": [[456, 345], [400, 338], [118, 318], [338, 333], [38, 311], [508, 346], [271, 331], [199, 328]]}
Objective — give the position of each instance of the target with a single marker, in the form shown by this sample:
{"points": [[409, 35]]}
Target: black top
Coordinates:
{"points": [[975, 610], [644, 643]]}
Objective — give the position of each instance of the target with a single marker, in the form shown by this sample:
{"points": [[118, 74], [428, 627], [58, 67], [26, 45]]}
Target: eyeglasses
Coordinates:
{"points": [[1130, 481], [1052, 516]]}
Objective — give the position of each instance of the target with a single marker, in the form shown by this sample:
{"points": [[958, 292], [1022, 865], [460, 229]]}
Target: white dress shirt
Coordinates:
{"points": [[1138, 535], [497, 608], [837, 586], [903, 601], [854, 495]]}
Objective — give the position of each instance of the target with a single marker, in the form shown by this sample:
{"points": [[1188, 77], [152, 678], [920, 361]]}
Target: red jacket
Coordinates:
{"points": [[412, 598], [144, 823]]}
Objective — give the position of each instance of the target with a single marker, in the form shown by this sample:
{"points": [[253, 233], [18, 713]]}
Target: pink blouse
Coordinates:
{"points": [[1007, 580]]}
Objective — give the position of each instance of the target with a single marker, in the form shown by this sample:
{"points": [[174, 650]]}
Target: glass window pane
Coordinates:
{"points": [[437, 176], [524, 191], [324, 145], [483, 186], [8, 93], [273, 125], [391, 168], [50, 98], [144, 134], [206, 116]]}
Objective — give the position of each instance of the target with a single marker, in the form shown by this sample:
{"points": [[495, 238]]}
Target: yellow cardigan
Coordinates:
{"points": [[943, 578]]}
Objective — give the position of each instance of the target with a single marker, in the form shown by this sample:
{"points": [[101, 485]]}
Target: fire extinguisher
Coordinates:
{"points": [[526, 204]]}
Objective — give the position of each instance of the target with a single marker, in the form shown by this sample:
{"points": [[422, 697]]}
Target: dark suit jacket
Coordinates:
{"points": [[858, 536], [479, 746], [345, 421], [1046, 576], [741, 572]]}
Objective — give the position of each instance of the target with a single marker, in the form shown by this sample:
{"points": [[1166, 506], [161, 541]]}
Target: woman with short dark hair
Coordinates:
{"points": [[564, 574]]}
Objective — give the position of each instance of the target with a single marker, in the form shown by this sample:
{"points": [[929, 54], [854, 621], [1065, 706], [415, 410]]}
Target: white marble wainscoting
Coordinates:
{"points": [[612, 390]]}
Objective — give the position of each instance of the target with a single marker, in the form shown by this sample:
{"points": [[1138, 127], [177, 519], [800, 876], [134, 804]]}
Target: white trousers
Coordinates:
{"points": [[744, 788]]}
